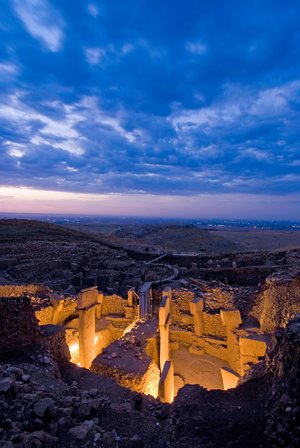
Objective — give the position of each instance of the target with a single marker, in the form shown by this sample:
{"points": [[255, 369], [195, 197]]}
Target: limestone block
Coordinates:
{"points": [[145, 300], [99, 305], [163, 311], [231, 318], [178, 383], [129, 312], [166, 384], [87, 297], [57, 311], [86, 336], [229, 377], [167, 292], [100, 298], [167, 297], [196, 305], [55, 299], [186, 319], [164, 353], [252, 346]]}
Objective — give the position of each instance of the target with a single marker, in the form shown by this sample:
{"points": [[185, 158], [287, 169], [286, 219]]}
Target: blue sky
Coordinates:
{"points": [[151, 101]]}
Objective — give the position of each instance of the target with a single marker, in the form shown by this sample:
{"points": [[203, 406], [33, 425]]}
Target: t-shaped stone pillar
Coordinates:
{"points": [[164, 324], [196, 307], [86, 304], [231, 319], [252, 348], [99, 305], [58, 303]]}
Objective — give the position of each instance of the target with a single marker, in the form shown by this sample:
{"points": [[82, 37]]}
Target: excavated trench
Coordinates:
{"points": [[130, 355], [128, 350]]}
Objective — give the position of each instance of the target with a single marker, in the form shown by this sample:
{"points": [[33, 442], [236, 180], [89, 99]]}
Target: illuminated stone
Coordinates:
{"points": [[196, 307], [166, 384], [86, 304], [229, 378]]}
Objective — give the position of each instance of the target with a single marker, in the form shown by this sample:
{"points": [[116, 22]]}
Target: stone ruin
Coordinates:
{"points": [[143, 348], [152, 343]]}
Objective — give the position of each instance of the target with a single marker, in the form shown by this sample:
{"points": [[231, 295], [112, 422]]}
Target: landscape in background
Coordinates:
{"points": [[150, 224], [162, 235]]}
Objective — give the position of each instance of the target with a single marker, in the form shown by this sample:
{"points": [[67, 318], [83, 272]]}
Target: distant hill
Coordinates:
{"points": [[190, 238]]}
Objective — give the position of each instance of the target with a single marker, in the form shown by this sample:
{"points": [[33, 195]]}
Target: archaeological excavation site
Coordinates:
{"points": [[106, 347]]}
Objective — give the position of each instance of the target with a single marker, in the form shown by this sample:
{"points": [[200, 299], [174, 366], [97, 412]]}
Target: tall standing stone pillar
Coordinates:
{"points": [[99, 305], [166, 385], [130, 296], [86, 305], [231, 319], [145, 306], [58, 304], [196, 307]]}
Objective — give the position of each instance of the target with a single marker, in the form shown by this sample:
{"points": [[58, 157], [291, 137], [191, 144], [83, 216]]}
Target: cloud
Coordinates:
{"points": [[93, 55], [8, 68], [196, 48], [237, 103], [93, 10], [41, 21], [135, 97], [41, 129]]}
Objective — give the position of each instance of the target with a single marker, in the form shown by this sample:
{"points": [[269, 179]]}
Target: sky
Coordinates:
{"points": [[154, 108]]}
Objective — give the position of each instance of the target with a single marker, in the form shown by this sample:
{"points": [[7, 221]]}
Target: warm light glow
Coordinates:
{"points": [[130, 327], [74, 351], [74, 348], [152, 387]]}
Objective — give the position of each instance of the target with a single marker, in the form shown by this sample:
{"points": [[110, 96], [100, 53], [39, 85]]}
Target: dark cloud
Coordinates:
{"points": [[148, 96]]}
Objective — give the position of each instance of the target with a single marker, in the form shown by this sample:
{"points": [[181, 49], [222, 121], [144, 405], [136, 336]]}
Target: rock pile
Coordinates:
{"points": [[283, 407], [38, 409]]}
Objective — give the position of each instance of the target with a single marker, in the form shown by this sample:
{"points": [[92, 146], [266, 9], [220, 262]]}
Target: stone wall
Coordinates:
{"points": [[44, 315], [107, 336], [239, 276], [113, 304], [213, 325], [68, 309], [54, 338], [216, 348], [278, 302], [180, 307], [212, 346], [18, 324], [20, 290], [282, 404]]}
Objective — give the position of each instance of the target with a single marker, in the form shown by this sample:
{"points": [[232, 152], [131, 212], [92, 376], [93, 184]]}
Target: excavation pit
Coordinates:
{"points": [[204, 370]]}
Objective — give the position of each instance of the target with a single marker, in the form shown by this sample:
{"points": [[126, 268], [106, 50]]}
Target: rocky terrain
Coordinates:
{"points": [[46, 401], [64, 259]]}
